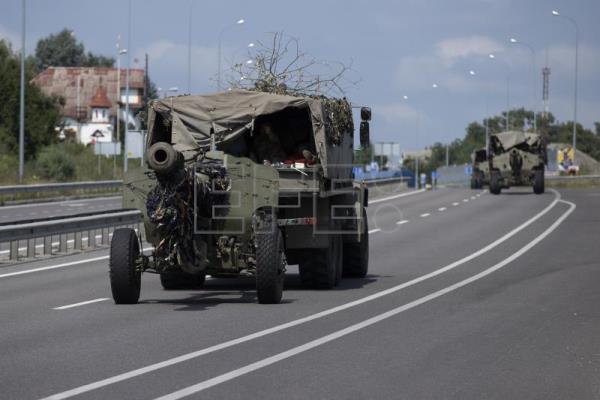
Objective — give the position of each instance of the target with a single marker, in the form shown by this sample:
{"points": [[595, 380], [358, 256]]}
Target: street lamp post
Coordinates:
{"points": [[120, 52], [532, 50], [189, 55], [405, 97], [125, 150], [22, 99], [486, 119], [238, 22], [492, 56], [558, 14]]}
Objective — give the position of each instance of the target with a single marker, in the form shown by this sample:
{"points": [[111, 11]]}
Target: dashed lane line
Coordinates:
{"points": [[425, 215], [442, 209], [404, 221], [244, 339], [233, 374], [374, 230], [83, 303]]}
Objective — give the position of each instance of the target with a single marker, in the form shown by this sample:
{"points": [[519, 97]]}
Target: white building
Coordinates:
{"points": [[99, 128]]}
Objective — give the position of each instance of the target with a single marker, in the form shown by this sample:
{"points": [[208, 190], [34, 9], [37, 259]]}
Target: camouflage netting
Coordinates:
{"points": [[337, 112], [338, 119], [170, 206]]}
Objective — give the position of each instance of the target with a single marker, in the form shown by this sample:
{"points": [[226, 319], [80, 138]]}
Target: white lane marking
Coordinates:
{"points": [[466, 200], [374, 230], [193, 389], [189, 356], [67, 264], [396, 196], [473, 197], [83, 303], [442, 209], [455, 204], [425, 215], [404, 221]]}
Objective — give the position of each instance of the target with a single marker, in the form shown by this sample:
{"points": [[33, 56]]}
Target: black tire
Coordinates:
{"points": [[270, 267], [495, 187], [338, 258], [125, 277], [356, 254], [179, 280], [321, 270], [538, 181]]}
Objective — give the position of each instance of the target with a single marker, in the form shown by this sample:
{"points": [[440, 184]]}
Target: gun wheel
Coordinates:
{"points": [[125, 276]]}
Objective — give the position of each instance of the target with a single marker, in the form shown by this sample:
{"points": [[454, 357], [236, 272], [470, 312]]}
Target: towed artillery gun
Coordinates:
{"points": [[222, 195], [516, 158]]}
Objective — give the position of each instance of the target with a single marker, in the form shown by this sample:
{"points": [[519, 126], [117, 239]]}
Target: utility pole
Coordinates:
{"points": [[22, 99], [127, 86], [546, 87]]}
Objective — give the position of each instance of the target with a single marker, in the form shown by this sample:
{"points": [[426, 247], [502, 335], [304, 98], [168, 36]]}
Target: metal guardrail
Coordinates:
{"points": [[67, 230], [370, 182], [116, 184], [54, 187], [571, 177]]}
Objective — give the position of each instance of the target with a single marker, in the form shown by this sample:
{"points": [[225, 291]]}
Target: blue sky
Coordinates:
{"points": [[396, 48]]}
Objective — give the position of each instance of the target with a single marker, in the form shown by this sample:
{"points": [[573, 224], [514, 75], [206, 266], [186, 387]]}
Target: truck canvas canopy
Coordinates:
{"points": [[189, 122]]}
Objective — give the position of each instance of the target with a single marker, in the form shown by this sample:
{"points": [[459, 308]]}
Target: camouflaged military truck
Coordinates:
{"points": [[222, 195], [516, 159], [481, 172]]}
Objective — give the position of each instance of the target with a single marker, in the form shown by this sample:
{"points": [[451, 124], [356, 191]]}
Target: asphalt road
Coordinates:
{"points": [[473, 297], [35, 211]]}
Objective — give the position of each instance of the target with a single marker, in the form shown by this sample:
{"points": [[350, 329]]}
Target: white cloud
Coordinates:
{"points": [[12, 37], [449, 51], [169, 59], [394, 113], [561, 59]]}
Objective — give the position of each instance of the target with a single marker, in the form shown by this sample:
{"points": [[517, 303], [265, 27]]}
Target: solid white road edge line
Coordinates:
{"points": [[230, 343], [67, 264], [396, 196], [361, 325], [83, 303]]}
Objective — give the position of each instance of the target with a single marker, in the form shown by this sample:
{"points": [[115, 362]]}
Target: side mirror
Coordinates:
{"points": [[364, 134], [365, 113]]}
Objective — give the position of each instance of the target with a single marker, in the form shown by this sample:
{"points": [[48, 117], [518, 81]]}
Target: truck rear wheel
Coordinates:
{"points": [[179, 280], [323, 269], [356, 254], [538, 181], [270, 267], [495, 187], [125, 276]]}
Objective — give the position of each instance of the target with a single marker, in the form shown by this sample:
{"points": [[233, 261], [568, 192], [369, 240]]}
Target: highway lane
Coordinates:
{"points": [[24, 212], [83, 344]]}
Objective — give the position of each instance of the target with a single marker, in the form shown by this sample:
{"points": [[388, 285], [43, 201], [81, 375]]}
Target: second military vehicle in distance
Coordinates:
{"points": [[242, 183], [516, 158], [481, 172]]}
